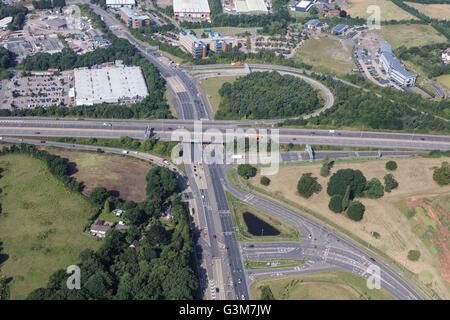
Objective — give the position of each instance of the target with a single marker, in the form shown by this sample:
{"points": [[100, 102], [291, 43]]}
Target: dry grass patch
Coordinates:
{"points": [[384, 216], [114, 172], [388, 9], [436, 10]]}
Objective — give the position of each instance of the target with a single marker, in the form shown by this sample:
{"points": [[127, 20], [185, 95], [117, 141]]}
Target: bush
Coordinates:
{"points": [[335, 203], [98, 195], [246, 171], [347, 177], [413, 255], [374, 189], [356, 210], [307, 185], [265, 181], [389, 182], [266, 293], [376, 235], [442, 175], [391, 165]]}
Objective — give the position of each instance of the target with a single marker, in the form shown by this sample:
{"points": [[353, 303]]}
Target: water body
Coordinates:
{"points": [[258, 227]]}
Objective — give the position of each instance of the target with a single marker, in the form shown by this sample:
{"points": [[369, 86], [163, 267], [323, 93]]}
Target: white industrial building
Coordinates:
{"points": [[301, 6], [250, 6], [196, 9], [5, 22], [394, 67], [120, 3], [113, 84]]}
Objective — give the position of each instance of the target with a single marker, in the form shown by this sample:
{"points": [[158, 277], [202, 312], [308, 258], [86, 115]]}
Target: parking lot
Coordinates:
{"points": [[37, 90]]}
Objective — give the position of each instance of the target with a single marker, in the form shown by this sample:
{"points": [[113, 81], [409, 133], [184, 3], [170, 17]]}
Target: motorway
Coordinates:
{"points": [[168, 129], [220, 253]]}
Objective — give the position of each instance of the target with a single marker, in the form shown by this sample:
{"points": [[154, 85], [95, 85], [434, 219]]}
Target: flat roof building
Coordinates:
{"points": [[133, 19], [200, 47], [394, 68], [339, 29], [112, 84], [312, 24], [250, 6], [196, 9], [56, 23], [302, 6], [120, 3]]}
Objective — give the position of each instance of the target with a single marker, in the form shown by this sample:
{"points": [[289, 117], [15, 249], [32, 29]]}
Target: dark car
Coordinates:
{"points": [[372, 259]]}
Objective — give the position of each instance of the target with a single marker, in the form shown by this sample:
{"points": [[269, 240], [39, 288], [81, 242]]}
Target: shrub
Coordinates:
{"points": [[376, 235], [442, 175], [374, 189], [307, 185], [413, 255], [389, 182], [265, 181], [391, 165], [335, 203], [355, 210], [246, 171]]}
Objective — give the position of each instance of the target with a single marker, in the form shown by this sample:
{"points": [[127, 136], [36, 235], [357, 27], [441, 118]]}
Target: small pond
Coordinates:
{"points": [[258, 227]]}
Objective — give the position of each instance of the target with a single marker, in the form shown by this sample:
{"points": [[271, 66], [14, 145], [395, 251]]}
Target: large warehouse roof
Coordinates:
{"points": [[250, 6], [190, 6], [108, 84]]}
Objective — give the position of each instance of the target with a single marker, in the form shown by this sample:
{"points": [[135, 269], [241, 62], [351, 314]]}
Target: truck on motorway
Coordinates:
{"points": [[124, 151], [237, 156], [236, 64], [165, 161]]}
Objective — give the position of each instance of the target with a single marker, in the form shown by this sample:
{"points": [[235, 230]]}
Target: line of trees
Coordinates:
{"points": [[266, 95], [48, 4], [354, 107], [427, 57]]}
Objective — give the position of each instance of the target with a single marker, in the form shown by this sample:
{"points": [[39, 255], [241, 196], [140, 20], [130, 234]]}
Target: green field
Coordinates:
{"points": [[337, 285], [326, 55], [211, 87], [41, 224], [411, 35], [287, 232]]}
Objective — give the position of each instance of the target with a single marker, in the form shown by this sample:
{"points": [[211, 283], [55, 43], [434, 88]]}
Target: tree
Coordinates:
{"points": [[442, 175], [389, 182], [346, 199], [157, 235], [98, 195], [265, 181], [413, 255], [246, 171], [335, 203], [391, 165], [347, 177], [374, 189], [326, 166], [307, 185], [161, 183], [356, 210], [106, 207], [266, 293]]}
